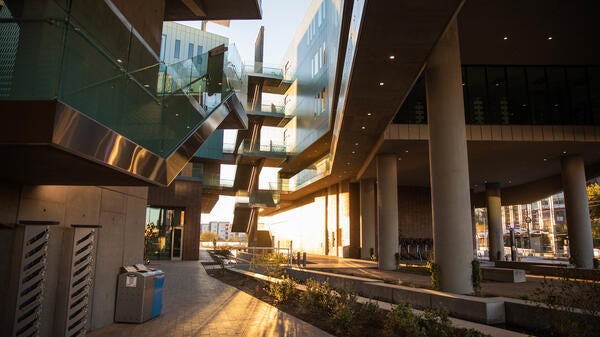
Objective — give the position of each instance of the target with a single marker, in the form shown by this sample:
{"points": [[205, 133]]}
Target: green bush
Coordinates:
{"points": [[401, 321], [343, 310], [270, 264], [434, 268], [317, 296], [283, 291]]}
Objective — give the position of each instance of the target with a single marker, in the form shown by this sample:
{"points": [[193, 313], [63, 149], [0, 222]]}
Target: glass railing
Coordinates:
{"points": [[272, 148], [213, 180], [270, 71], [271, 108], [103, 69], [307, 176]]}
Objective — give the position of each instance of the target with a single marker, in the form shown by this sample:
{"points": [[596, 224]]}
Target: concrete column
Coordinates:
{"points": [[577, 210], [368, 218], [449, 167], [387, 210], [494, 213]]}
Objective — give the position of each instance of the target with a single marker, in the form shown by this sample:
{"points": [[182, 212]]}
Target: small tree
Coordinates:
{"points": [[209, 236]]}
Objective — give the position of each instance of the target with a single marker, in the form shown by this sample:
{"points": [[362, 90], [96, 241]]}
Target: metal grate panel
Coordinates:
{"points": [[80, 281], [31, 281]]}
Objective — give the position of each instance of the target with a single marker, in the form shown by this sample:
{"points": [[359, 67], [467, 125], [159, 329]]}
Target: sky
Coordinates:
{"points": [[281, 18]]}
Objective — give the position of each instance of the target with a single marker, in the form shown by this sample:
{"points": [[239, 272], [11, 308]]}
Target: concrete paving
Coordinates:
{"points": [[195, 304]]}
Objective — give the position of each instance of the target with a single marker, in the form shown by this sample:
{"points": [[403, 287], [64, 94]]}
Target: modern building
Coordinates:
{"points": [[90, 123], [399, 118], [403, 118], [223, 229]]}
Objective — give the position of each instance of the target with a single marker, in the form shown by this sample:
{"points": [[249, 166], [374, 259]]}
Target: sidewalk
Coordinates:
{"points": [[195, 304]]}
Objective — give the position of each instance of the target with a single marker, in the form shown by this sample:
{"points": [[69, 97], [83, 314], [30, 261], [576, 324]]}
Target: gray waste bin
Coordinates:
{"points": [[136, 302]]}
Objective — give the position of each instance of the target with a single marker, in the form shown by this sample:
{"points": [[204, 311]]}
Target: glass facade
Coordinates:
{"points": [[513, 95], [160, 240]]}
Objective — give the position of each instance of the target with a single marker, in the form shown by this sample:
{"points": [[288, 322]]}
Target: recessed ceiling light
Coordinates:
{"points": [[505, 38], [146, 85], [392, 57], [381, 84], [119, 61], [369, 114], [549, 38], [405, 151], [545, 159], [363, 127], [564, 152], [399, 158], [353, 152], [355, 144]]}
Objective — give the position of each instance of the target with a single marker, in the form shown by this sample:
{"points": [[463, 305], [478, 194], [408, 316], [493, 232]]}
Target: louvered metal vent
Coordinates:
{"points": [[80, 281], [31, 281]]}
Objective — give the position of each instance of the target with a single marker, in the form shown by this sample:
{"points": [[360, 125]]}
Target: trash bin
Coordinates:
{"points": [[139, 294]]}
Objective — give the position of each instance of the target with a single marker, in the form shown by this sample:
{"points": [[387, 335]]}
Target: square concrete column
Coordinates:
{"points": [[494, 213], [449, 167], [577, 209], [387, 210], [368, 218]]}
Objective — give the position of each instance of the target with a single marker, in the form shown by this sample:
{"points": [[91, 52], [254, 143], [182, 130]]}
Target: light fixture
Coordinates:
{"points": [[564, 152], [176, 115], [354, 152], [381, 84], [392, 57], [399, 158], [119, 61], [369, 114], [505, 38], [549, 38], [355, 144], [545, 159], [405, 151], [146, 85], [363, 127]]}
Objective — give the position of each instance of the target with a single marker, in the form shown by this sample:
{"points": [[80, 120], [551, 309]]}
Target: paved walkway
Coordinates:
{"points": [[196, 304]]}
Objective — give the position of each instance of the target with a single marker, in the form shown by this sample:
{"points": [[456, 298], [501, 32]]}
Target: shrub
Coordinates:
{"points": [[317, 296], [400, 321], [270, 264], [343, 310], [434, 268], [283, 291]]}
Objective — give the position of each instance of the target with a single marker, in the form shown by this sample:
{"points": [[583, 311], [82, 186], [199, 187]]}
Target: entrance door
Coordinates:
{"points": [[176, 243]]}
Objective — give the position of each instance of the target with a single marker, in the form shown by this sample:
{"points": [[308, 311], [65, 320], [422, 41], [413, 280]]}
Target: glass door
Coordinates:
{"points": [[177, 243]]}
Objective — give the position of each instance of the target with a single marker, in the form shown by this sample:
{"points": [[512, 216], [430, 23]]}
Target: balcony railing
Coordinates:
{"points": [[264, 149], [106, 71]]}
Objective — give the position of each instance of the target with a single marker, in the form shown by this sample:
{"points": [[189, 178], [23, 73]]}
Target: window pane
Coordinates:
{"points": [[477, 105], [594, 80], [558, 108], [518, 101], [190, 50], [177, 46], [496, 83], [536, 81]]}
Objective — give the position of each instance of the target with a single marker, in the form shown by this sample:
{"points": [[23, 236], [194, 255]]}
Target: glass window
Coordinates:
{"points": [[477, 105], [518, 99], [558, 108], [594, 83], [199, 53], [578, 92], [538, 94], [498, 102], [163, 44], [177, 47], [190, 50]]}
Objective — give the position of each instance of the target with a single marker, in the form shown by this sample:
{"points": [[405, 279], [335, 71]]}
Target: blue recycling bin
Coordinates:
{"points": [[159, 281]]}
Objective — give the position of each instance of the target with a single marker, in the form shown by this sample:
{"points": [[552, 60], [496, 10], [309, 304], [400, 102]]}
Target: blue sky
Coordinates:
{"points": [[281, 18]]}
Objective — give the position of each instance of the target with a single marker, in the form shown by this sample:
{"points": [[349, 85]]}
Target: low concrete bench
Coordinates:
{"points": [[488, 310], [503, 274]]}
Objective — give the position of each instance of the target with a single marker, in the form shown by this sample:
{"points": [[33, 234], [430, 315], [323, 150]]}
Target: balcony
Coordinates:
{"points": [[90, 95]]}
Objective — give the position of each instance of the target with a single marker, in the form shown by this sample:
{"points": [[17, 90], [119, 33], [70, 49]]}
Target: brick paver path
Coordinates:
{"points": [[196, 304]]}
